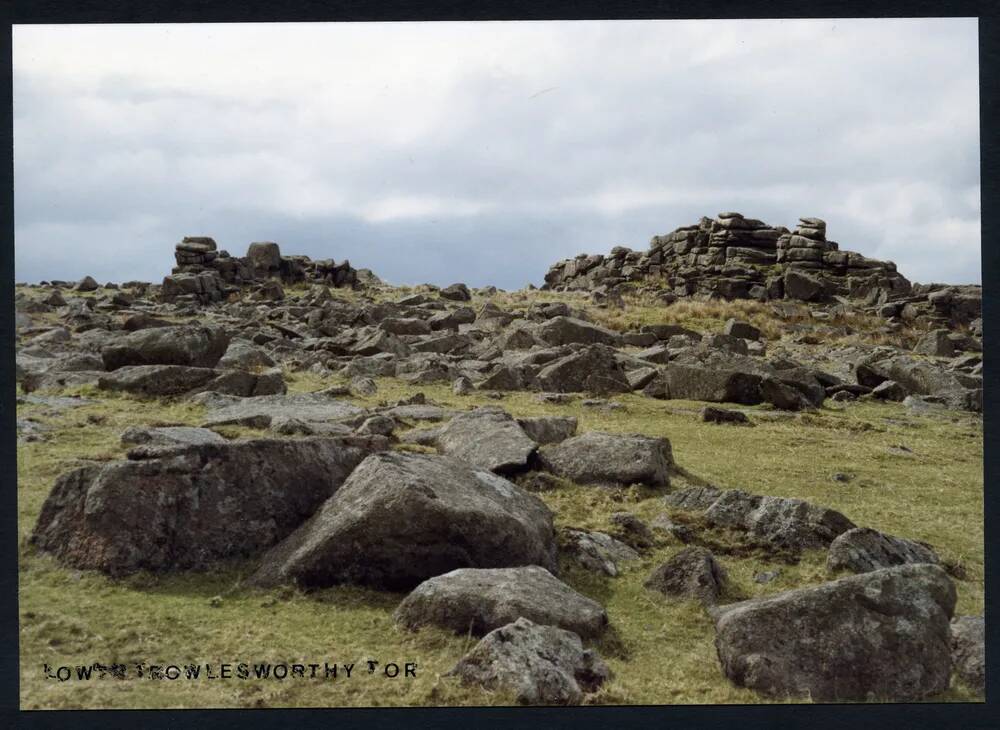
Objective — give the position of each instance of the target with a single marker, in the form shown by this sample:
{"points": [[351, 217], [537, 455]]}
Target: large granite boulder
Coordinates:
{"points": [[186, 506], [478, 600], [610, 459], [402, 518], [540, 665], [882, 635], [193, 346]]}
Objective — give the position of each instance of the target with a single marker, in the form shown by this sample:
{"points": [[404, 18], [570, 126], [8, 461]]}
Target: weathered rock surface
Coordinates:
{"points": [[609, 458], [186, 506], [882, 635], [597, 551], [791, 524], [478, 600], [539, 664], [968, 651], [548, 429], [402, 518], [170, 436], [593, 370], [261, 410], [862, 550], [691, 573], [193, 346], [488, 439]]}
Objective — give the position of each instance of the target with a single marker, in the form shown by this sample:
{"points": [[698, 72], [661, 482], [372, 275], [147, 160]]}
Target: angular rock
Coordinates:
{"points": [[401, 518], [862, 550], [936, 343], [610, 458], [260, 410], [488, 439], [568, 330], [743, 330], [456, 292], [688, 382], [691, 573], [548, 429], [478, 600], [882, 635], [592, 370], [889, 390], [541, 665]]}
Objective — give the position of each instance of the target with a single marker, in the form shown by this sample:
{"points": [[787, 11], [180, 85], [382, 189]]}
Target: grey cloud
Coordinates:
{"points": [[814, 126]]}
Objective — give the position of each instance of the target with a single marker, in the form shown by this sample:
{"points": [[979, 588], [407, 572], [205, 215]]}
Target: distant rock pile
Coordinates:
{"points": [[734, 257], [206, 274]]}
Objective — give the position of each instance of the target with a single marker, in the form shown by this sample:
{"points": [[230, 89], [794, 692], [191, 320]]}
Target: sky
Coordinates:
{"points": [[483, 152]]}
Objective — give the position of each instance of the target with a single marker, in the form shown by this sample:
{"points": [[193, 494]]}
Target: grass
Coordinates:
{"points": [[660, 651]]}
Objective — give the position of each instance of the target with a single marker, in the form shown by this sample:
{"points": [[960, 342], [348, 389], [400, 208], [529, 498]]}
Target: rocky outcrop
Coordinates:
{"points": [[206, 274], [734, 257]]}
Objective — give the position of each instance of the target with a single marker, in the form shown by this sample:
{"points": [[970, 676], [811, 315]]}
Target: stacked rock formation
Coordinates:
{"points": [[206, 274], [734, 257]]}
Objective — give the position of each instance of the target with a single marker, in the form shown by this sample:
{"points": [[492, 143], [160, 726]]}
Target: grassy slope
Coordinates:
{"points": [[661, 651]]}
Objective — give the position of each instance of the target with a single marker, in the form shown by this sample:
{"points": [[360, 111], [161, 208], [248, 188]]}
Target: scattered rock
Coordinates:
{"points": [[479, 600], [539, 664], [401, 518], [691, 573], [488, 439], [878, 636], [862, 550], [608, 458]]}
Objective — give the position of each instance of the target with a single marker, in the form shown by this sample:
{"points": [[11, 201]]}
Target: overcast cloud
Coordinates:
{"points": [[483, 152]]}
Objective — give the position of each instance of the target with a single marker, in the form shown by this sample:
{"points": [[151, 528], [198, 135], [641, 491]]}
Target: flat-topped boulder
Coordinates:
{"points": [[260, 411], [610, 459], [188, 345]]}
